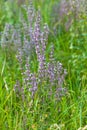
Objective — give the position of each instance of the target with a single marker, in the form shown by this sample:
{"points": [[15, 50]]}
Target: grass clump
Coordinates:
{"points": [[37, 93]]}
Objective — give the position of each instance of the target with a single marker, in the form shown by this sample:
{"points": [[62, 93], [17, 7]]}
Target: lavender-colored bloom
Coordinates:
{"points": [[30, 81], [46, 32], [27, 74], [36, 36], [65, 12], [31, 14], [51, 67], [19, 90], [34, 85], [56, 76], [19, 56], [42, 68], [51, 74]]}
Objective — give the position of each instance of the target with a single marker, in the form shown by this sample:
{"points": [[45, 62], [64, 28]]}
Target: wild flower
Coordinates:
{"points": [[29, 79], [66, 12], [19, 90], [31, 35]]}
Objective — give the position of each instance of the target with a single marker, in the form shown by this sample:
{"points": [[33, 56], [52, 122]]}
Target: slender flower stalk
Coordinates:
{"points": [[34, 85]]}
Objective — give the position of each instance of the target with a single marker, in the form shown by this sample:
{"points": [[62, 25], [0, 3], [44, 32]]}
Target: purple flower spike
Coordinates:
{"points": [[34, 85]]}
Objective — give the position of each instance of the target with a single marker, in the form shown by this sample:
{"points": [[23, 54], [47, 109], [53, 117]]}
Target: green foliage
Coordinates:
{"points": [[71, 50], [8, 13]]}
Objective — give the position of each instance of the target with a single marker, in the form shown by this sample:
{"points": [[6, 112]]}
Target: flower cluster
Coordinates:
{"points": [[65, 12], [31, 37]]}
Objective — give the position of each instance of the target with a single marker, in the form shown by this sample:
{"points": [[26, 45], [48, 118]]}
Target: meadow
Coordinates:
{"points": [[43, 65]]}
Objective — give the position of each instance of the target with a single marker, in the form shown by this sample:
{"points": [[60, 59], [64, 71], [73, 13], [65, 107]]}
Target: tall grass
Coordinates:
{"points": [[19, 108]]}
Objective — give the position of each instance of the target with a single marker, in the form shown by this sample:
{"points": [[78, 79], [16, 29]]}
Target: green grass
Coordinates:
{"points": [[71, 112]]}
